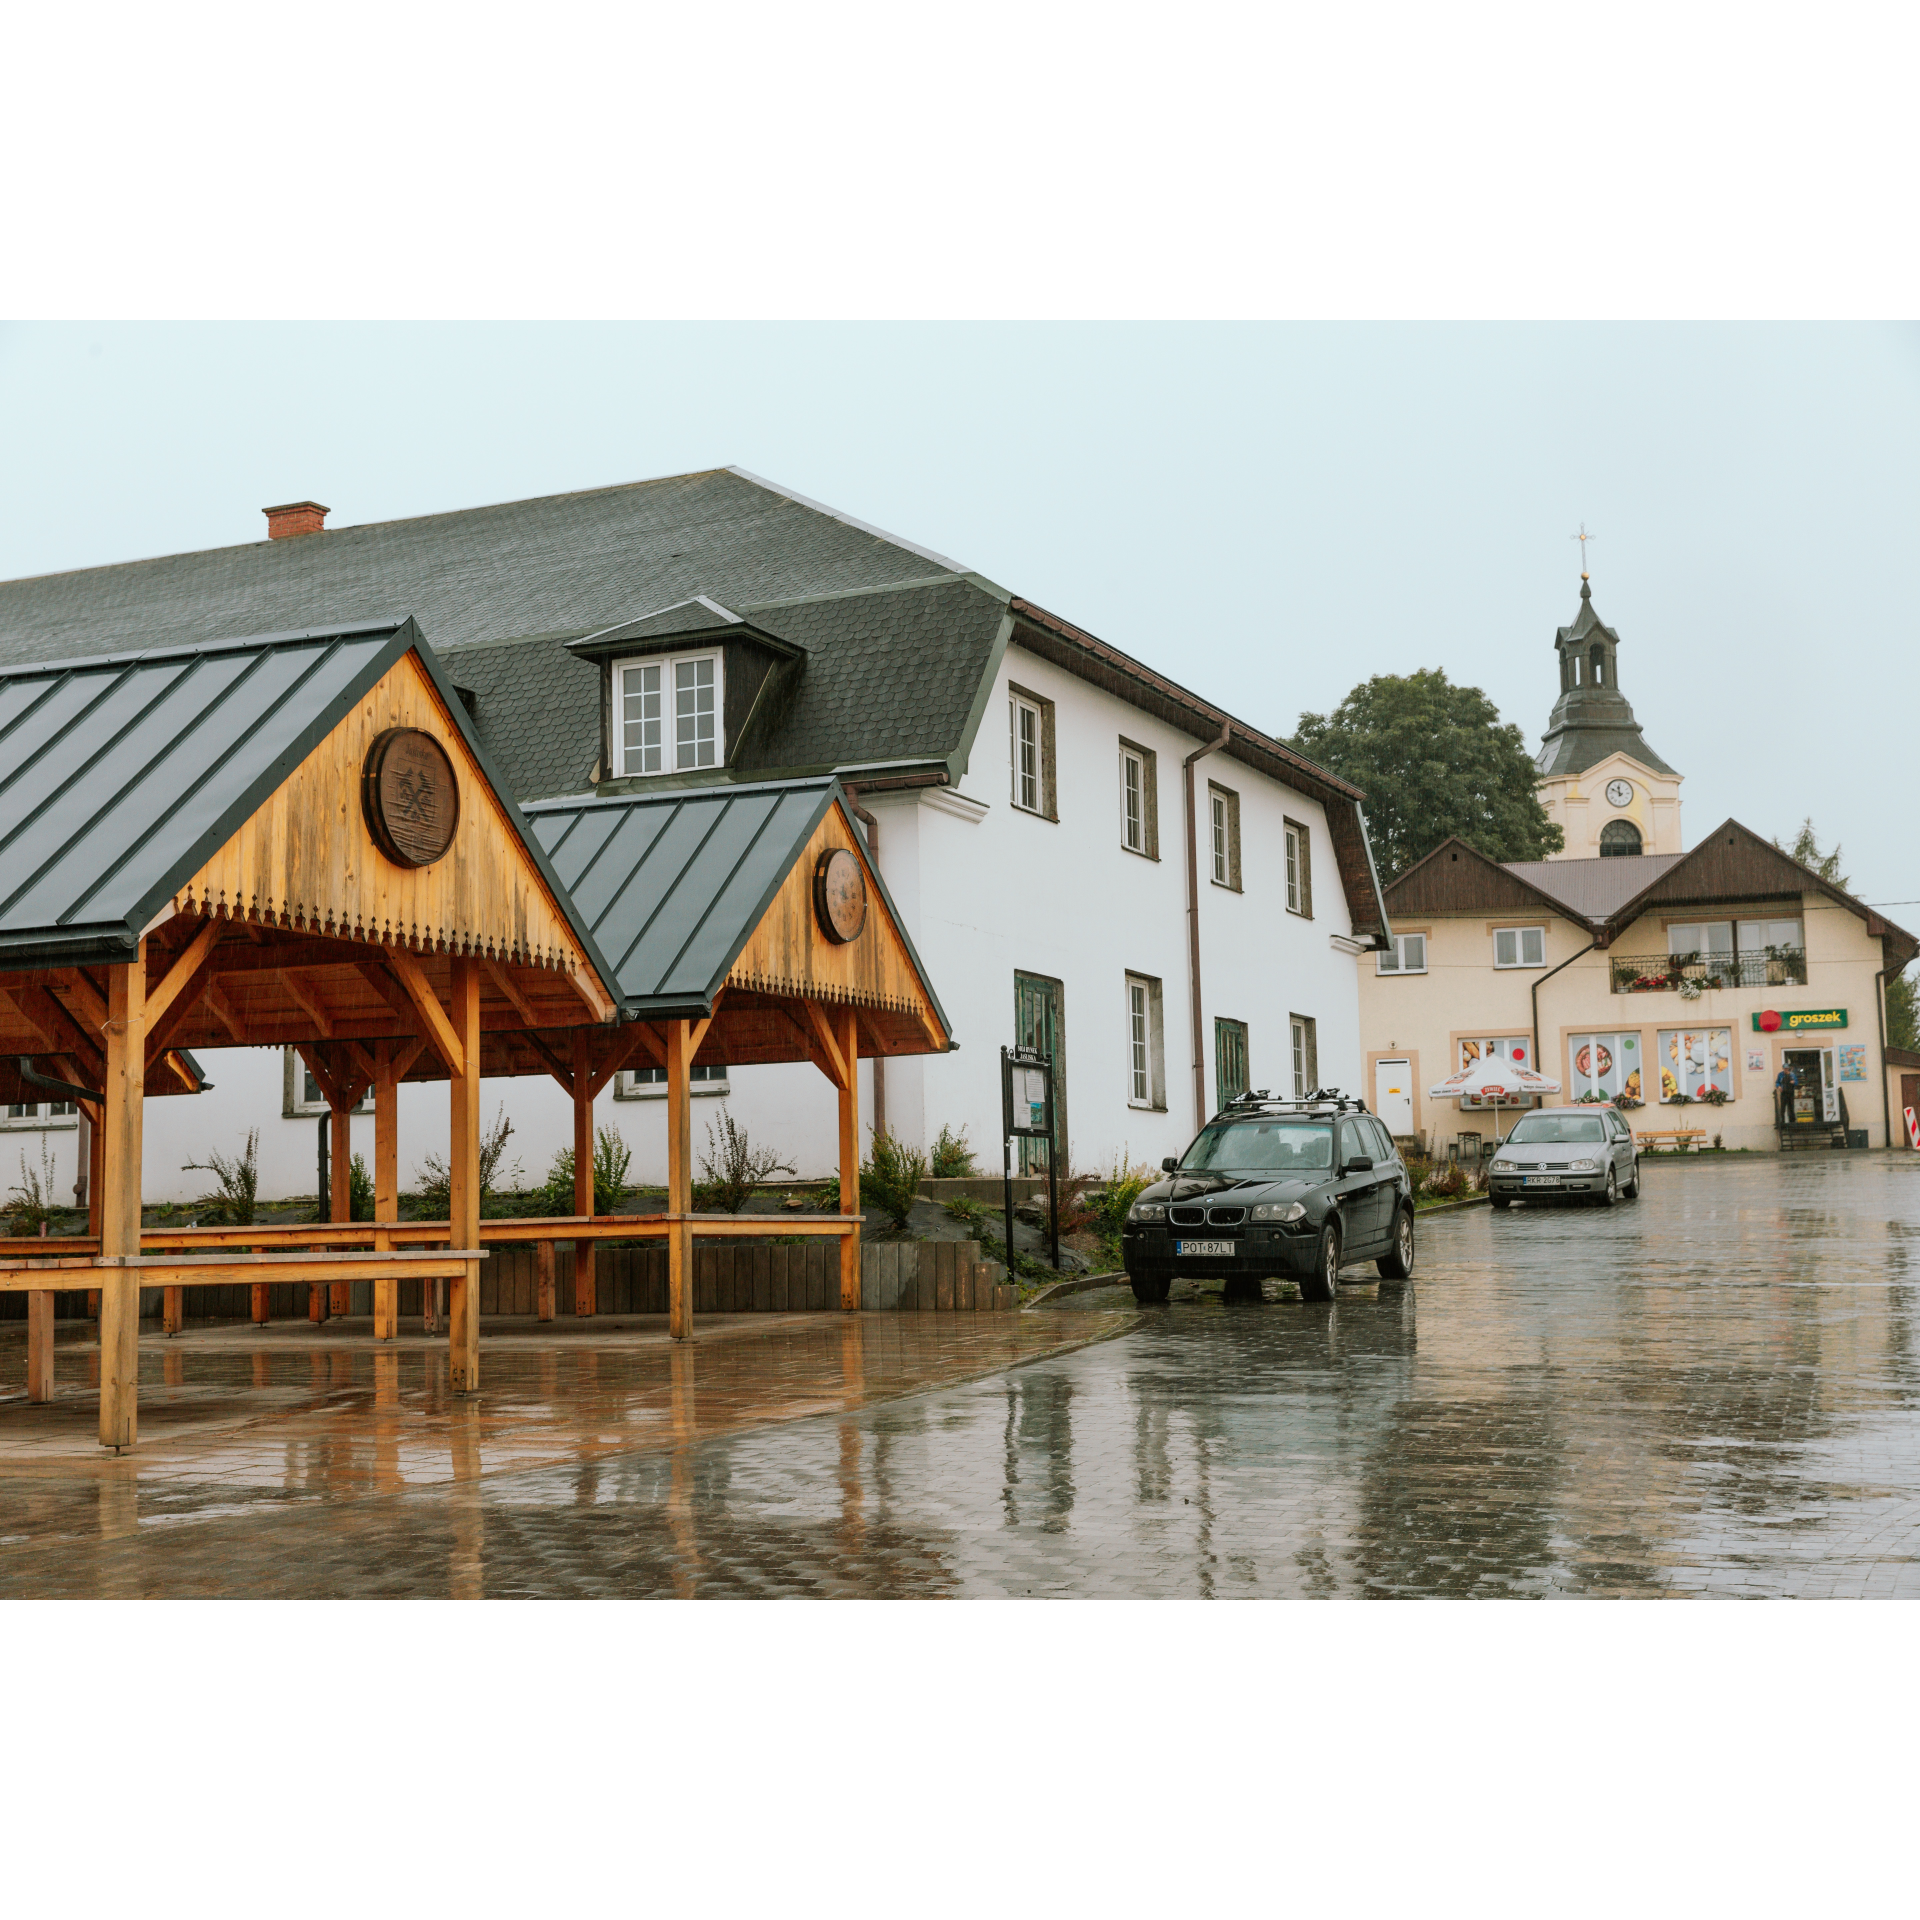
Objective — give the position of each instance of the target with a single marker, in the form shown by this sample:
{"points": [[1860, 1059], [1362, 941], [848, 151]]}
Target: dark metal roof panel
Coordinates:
{"points": [[673, 884]]}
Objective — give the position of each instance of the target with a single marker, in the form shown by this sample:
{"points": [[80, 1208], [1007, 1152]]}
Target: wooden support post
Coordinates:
{"points": [[463, 1158], [386, 1181], [849, 1038], [173, 1306], [126, 1037], [340, 1194], [543, 1279], [583, 1276], [679, 1179], [258, 1302], [96, 1176], [39, 1347]]}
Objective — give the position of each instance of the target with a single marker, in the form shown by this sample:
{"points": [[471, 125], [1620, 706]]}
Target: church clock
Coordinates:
{"points": [[1619, 793]]}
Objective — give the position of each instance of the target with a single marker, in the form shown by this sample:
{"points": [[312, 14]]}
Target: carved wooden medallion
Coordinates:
{"points": [[410, 797], [840, 895]]}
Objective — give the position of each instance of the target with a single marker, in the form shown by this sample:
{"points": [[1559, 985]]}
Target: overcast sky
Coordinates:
{"points": [[1269, 513]]}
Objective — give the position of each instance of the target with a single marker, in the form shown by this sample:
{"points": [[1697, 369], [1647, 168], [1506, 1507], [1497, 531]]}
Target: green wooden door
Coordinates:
{"points": [[1040, 1022]]}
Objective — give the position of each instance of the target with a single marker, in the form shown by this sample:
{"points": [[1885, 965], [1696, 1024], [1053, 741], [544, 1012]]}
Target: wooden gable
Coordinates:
{"points": [[787, 955], [306, 860]]}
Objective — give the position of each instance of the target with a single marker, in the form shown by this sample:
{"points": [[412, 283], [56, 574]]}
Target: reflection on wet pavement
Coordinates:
{"points": [[1712, 1390]]}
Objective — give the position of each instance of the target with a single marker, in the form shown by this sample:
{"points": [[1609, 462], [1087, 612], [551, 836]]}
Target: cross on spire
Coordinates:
{"points": [[1583, 536]]}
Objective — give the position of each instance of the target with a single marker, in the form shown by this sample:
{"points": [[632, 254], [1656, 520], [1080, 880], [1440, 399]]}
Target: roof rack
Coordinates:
{"points": [[1320, 1100]]}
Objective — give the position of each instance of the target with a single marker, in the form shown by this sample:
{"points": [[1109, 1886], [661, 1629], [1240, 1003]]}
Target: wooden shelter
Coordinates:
{"points": [[294, 839], [744, 924]]}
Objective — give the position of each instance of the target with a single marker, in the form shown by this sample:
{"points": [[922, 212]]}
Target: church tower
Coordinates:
{"points": [[1608, 790]]}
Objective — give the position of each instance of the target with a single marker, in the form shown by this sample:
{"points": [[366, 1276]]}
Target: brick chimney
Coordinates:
{"points": [[299, 516]]}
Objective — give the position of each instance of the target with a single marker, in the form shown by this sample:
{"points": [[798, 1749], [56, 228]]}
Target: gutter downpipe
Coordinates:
{"points": [[1193, 928], [1540, 982], [1880, 1019], [872, 829]]}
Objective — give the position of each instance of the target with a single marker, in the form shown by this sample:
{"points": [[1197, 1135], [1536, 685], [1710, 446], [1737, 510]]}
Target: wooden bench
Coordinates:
{"points": [[1681, 1137]]}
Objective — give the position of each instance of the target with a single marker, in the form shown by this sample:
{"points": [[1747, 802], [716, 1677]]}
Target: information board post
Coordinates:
{"points": [[1026, 1110]]}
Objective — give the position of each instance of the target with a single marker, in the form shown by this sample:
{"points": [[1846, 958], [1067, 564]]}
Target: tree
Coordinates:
{"points": [[1903, 1016], [1806, 849], [1433, 759]]}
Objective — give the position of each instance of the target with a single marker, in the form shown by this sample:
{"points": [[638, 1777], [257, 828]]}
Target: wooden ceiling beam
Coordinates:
{"points": [[307, 999], [162, 994], [214, 999], [832, 1062], [510, 991], [412, 977]]}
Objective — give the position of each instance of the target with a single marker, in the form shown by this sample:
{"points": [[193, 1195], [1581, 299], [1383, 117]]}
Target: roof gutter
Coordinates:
{"points": [[1373, 874], [1540, 980], [1193, 928]]}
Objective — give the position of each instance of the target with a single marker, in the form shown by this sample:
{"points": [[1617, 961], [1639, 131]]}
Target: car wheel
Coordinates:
{"points": [[1632, 1189], [1398, 1265], [1151, 1289], [1610, 1193], [1321, 1280], [1501, 1201]]}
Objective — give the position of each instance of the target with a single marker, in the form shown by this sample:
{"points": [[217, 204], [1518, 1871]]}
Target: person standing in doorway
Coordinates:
{"points": [[1784, 1088]]}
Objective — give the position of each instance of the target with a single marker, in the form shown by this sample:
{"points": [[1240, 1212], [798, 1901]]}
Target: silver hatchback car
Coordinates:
{"points": [[1556, 1151]]}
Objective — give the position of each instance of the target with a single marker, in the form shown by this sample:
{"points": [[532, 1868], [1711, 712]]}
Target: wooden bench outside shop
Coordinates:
{"points": [[1681, 1138]]}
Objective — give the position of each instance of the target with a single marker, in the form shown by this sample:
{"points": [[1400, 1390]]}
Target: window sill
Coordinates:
{"points": [[699, 1091], [1147, 1106], [1521, 966], [1139, 853], [1401, 973], [54, 1123], [1034, 813], [1300, 913], [1226, 886]]}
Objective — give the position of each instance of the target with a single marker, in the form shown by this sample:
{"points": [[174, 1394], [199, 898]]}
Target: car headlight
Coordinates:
{"points": [[1147, 1210], [1292, 1210], [1506, 1166], [1583, 1166]]}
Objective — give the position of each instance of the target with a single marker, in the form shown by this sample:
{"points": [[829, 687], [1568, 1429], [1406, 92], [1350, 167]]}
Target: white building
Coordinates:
{"points": [[1027, 783]]}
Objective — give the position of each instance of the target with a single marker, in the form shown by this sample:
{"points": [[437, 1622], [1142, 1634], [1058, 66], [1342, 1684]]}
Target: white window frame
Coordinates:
{"points": [[294, 1104], [1496, 1046], [1299, 1027], [1133, 801], [1020, 707], [1518, 935], [1293, 870], [1664, 1065], [38, 1116], [628, 1085], [633, 762], [1624, 1054], [1393, 959], [1146, 1044]]}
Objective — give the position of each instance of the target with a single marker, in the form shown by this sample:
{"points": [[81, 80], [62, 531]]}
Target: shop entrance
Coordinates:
{"points": [[1816, 1100]]}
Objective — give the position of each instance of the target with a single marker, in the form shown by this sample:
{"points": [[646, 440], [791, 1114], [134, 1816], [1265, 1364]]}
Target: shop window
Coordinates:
{"points": [[1406, 954], [1030, 752], [1229, 1060], [1305, 1036], [1696, 1063], [1515, 1047], [1520, 947], [1299, 870], [1139, 801], [650, 1083], [1604, 1066], [1146, 1044], [669, 714]]}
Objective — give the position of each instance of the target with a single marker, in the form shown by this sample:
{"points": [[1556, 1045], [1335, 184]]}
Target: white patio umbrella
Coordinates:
{"points": [[1498, 1080]]}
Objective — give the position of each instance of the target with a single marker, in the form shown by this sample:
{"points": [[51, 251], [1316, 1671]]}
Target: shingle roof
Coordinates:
{"points": [[674, 884]]}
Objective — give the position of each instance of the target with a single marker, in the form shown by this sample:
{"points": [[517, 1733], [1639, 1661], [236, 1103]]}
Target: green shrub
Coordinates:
{"points": [[733, 1168], [359, 1189], [1110, 1203], [238, 1179], [611, 1159], [436, 1183], [891, 1178], [953, 1157], [30, 1204]]}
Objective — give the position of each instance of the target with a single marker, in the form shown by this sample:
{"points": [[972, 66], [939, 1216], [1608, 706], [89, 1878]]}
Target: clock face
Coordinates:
{"points": [[840, 895], [1620, 793]]}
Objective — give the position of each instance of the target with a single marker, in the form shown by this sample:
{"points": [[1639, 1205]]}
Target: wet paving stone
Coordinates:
{"points": [[1712, 1391]]}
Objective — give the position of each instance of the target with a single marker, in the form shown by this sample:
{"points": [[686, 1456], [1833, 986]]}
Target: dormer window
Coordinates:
{"points": [[669, 713]]}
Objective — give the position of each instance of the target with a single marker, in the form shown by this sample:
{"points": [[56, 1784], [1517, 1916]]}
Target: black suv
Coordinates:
{"points": [[1275, 1187]]}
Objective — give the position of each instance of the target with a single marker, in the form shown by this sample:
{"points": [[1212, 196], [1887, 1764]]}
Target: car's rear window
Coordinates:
{"points": [[1556, 1129], [1261, 1146]]}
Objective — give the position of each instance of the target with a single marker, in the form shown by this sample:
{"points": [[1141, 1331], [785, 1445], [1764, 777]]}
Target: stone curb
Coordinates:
{"points": [[1450, 1206], [1084, 1284]]}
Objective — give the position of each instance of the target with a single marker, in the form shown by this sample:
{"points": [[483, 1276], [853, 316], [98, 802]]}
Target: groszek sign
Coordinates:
{"points": [[409, 796], [1802, 1022]]}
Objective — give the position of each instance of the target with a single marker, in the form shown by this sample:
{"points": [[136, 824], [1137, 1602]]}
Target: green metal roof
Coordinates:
{"points": [[674, 884]]}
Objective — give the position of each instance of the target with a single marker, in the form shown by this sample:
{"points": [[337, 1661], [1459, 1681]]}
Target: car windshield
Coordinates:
{"points": [[1556, 1130], [1261, 1146]]}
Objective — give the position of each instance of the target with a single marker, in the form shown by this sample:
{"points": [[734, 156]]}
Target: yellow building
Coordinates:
{"points": [[1679, 985]]}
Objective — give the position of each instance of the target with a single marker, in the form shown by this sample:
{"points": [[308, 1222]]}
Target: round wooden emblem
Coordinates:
{"points": [[410, 797], [840, 895]]}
